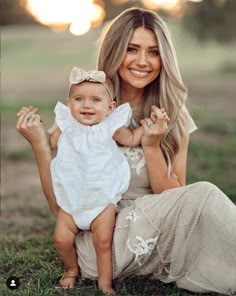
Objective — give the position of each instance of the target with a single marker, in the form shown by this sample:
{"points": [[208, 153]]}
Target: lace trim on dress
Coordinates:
{"points": [[134, 154], [143, 248], [132, 216]]}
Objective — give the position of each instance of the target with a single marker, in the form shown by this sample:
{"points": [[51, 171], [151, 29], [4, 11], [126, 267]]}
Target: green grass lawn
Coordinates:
{"points": [[35, 263], [35, 67]]}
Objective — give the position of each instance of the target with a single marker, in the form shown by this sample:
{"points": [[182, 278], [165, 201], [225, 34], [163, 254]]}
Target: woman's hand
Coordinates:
{"points": [[29, 124], [154, 127]]}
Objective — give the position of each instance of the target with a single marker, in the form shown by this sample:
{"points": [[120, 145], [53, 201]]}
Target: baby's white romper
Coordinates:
{"points": [[89, 171]]}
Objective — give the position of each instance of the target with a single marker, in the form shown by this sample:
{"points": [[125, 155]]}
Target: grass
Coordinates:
{"points": [[39, 269], [216, 164], [33, 72], [212, 153], [24, 154]]}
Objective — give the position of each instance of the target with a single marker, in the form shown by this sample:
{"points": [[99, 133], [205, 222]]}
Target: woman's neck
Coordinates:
{"points": [[135, 98], [132, 96]]}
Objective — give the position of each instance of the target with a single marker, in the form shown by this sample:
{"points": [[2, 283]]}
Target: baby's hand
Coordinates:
{"points": [[25, 110], [166, 117], [32, 113], [155, 126], [154, 116], [29, 124]]}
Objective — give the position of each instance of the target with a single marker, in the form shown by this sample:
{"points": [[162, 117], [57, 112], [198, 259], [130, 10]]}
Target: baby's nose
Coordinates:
{"points": [[86, 104]]}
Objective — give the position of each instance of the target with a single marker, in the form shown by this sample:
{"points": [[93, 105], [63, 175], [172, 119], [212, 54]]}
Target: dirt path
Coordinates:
{"points": [[23, 204]]}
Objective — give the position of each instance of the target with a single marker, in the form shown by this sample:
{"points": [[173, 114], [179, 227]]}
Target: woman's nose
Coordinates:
{"points": [[142, 59]]}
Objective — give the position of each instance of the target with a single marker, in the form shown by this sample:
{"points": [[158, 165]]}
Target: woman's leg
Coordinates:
{"points": [[102, 230], [64, 237]]}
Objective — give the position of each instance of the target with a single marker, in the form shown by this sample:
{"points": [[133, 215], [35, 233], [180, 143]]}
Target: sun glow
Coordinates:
{"points": [[171, 7], [79, 15]]}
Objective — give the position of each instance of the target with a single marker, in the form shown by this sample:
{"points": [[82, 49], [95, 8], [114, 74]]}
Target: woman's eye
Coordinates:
{"points": [[131, 50], [78, 99], [155, 52]]}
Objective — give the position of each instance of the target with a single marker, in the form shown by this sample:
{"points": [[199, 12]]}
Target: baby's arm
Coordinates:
{"points": [[54, 133], [128, 137]]}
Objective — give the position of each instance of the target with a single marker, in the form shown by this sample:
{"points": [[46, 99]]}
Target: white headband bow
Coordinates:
{"points": [[78, 75]]}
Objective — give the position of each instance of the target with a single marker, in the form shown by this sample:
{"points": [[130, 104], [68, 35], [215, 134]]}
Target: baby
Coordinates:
{"points": [[89, 173]]}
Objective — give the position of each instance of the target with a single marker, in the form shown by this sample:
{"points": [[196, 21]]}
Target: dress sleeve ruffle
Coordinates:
{"points": [[119, 117], [63, 116]]}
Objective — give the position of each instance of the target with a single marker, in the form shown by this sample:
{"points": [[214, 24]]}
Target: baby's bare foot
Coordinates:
{"points": [[68, 279]]}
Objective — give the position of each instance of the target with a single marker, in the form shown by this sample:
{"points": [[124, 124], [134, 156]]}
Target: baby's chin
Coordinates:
{"points": [[89, 123]]}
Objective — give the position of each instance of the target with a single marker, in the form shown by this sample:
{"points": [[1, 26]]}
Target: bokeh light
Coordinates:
{"points": [[80, 15]]}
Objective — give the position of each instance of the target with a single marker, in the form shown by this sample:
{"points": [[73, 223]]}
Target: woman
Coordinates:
{"points": [[164, 228]]}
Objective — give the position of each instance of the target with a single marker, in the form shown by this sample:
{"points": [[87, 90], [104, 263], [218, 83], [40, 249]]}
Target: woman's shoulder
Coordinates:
{"points": [[187, 120]]}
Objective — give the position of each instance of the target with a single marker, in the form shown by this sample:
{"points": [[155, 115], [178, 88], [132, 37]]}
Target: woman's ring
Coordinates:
{"points": [[149, 125], [29, 116]]}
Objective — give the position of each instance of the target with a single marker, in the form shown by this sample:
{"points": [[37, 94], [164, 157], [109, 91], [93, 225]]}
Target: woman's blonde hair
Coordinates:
{"points": [[166, 91]]}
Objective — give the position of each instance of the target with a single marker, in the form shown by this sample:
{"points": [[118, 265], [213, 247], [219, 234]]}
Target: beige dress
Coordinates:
{"points": [[186, 234]]}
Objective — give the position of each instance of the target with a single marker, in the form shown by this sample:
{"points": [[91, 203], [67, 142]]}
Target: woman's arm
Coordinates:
{"points": [[154, 129], [158, 171], [43, 158], [128, 137], [32, 129]]}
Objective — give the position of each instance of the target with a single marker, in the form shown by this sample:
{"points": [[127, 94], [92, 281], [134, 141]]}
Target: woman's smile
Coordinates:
{"points": [[138, 73]]}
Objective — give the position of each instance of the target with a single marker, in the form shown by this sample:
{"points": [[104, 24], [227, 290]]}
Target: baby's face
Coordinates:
{"points": [[89, 102]]}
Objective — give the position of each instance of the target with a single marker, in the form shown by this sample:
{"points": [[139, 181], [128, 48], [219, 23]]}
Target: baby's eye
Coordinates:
{"points": [[154, 52], [131, 49], [96, 100], [79, 99]]}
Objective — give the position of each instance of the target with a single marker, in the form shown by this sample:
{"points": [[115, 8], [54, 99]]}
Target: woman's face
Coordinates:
{"points": [[142, 62]]}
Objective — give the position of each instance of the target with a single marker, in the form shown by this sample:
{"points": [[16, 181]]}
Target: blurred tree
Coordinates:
{"points": [[211, 19], [115, 7], [13, 12]]}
